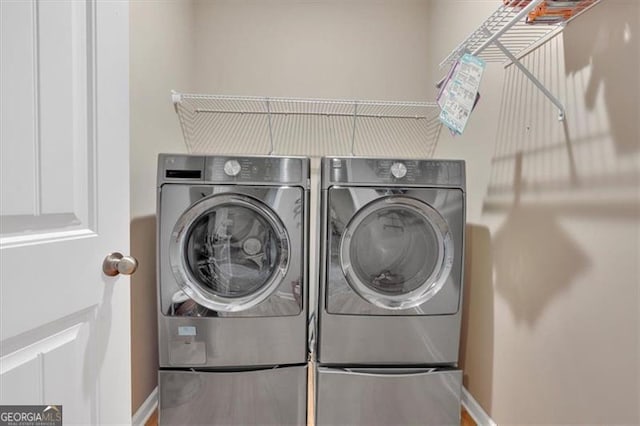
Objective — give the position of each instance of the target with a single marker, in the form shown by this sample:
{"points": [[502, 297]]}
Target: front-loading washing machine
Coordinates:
{"points": [[390, 291], [232, 289]]}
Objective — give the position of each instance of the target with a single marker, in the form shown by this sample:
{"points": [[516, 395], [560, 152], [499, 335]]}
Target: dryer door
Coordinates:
{"points": [[229, 252], [396, 252]]}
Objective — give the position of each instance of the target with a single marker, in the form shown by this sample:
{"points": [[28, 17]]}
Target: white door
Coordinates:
{"points": [[64, 325]]}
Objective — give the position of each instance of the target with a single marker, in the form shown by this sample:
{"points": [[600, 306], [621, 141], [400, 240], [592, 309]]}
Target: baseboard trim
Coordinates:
{"points": [[146, 409], [475, 410]]}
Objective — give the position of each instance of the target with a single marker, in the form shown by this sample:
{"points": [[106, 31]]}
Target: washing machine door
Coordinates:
{"points": [[397, 252], [229, 252]]}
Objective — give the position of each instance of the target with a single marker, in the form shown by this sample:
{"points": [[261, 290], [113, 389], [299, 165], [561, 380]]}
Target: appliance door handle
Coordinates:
{"points": [[382, 372]]}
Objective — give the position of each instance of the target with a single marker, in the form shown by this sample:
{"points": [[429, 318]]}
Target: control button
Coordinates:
{"points": [[232, 168], [398, 170]]}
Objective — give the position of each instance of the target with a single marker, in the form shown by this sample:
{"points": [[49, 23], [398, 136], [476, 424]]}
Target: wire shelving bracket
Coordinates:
{"points": [[314, 127], [505, 37]]}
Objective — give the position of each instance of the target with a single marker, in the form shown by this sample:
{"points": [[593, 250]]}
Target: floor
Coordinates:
{"points": [[466, 419], [153, 420]]}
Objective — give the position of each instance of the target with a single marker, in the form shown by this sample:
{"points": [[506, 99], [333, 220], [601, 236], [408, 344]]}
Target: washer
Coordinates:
{"points": [[390, 289], [232, 288]]}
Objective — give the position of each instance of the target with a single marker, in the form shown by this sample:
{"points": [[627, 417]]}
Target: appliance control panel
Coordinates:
{"points": [[345, 170], [393, 170], [253, 169], [233, 169]]}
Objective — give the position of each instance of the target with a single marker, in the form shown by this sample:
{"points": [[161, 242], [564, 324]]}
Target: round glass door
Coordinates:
{"points": [[397, 252], [229, 252]]}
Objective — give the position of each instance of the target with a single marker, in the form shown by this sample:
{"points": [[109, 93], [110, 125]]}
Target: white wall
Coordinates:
{"points": [[162, 49], [354, 49], [552, 310], [161, 40]]}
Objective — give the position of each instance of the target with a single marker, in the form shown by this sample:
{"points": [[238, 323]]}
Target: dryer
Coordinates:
{"points": [[390, 290], [232, 289]]}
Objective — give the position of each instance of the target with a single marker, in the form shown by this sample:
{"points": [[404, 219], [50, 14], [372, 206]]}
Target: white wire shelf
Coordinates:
{"points": [[313, 127], [505, 36]]}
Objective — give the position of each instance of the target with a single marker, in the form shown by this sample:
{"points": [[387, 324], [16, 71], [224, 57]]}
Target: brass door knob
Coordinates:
{"points": [[115, 263]]}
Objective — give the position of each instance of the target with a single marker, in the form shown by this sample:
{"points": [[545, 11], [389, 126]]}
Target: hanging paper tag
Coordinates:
{"points": [[460, 92]]}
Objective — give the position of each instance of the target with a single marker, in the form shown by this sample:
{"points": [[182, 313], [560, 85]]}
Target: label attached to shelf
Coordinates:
{"points": [[459, 93]]}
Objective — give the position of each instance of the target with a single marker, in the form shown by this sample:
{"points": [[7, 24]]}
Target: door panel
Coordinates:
{"points": [[396, 252], [287, 203], [388, 397], [47, 106], [40, 373], [229, 252], [64, 326], [444, 209]]}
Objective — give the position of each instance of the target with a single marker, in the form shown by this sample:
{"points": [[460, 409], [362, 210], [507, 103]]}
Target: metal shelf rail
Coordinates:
{"points": [[315, 127], [505, 36]]}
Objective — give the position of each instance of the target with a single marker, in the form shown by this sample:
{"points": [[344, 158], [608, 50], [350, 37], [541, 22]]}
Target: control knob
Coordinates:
{"points": [[232, 168], [398, 170]]}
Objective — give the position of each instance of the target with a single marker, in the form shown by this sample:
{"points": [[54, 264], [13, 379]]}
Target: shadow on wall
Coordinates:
{"points": [[563, 201], [535, 259], [544, 171], [144, 330], [609, 44], [477, 315]]}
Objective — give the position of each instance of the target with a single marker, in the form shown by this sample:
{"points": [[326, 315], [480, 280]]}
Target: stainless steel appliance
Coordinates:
{"points": [[390, 291], [232, 289]]}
